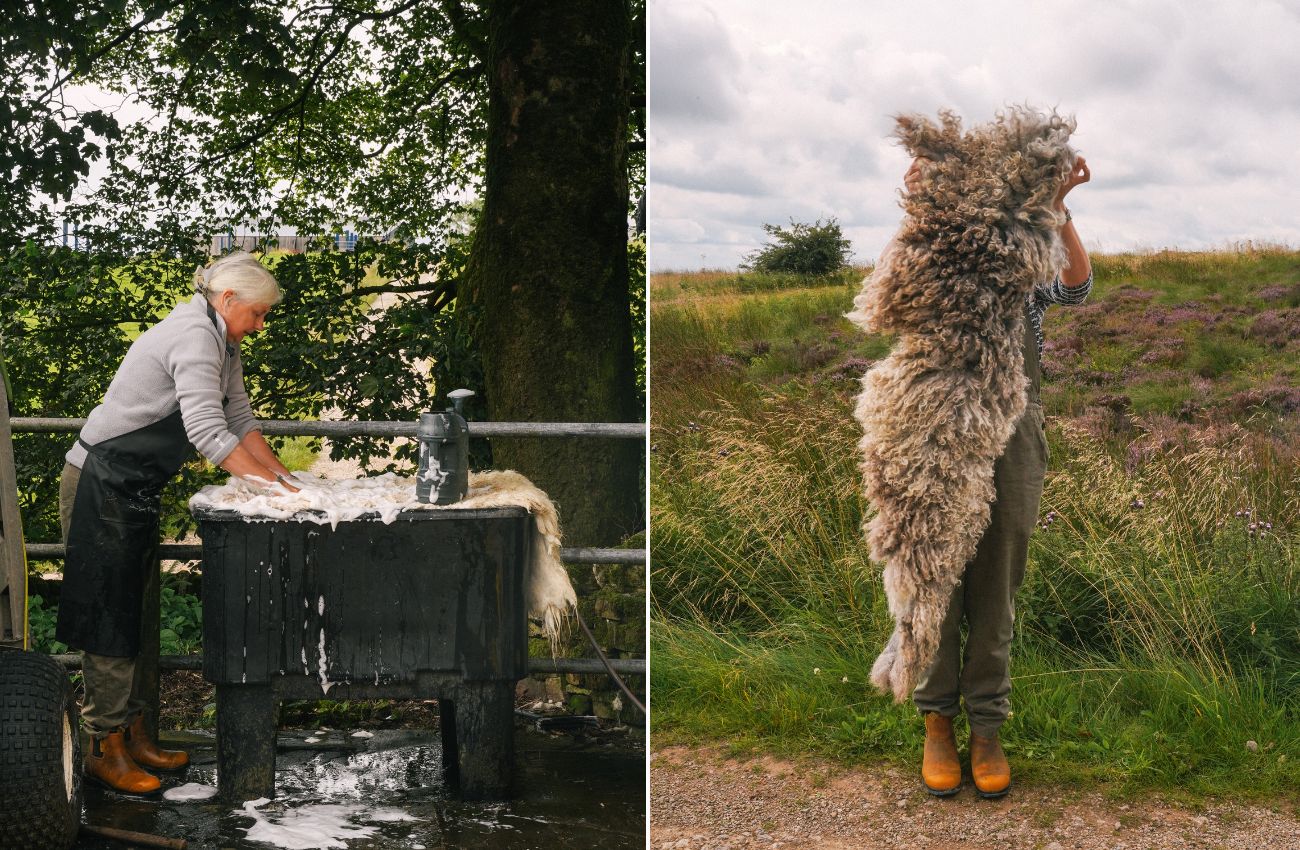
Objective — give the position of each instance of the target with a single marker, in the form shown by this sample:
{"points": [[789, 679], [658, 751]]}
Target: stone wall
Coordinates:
{"points": [[611, 598]]}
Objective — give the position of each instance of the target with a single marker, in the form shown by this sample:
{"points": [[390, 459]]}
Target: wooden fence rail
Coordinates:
{"points": [[323, 428], [337, 429], [194, 552]]}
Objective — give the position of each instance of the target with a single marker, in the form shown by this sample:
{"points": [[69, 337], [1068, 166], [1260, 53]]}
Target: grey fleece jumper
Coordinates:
{"points": [[183, 361]]}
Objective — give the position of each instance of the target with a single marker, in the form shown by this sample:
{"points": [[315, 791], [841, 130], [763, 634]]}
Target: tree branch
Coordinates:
{"points": [[464, 73], [89, 60], [436, 287], [270, 123], [459, 19]]}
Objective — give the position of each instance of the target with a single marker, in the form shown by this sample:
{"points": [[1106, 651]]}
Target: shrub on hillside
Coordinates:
{"points": [[812, 249]]}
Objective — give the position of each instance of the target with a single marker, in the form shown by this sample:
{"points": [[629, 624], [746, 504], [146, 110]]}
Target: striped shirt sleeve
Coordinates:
{"points": [[1057, 292]]}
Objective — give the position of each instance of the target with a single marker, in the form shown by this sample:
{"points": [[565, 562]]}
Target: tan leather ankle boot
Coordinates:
{"points": [[108, 762], [988, 766], [148, 754], [940, 767]]}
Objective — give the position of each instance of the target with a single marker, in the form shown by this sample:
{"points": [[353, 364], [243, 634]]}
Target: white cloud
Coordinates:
{"points": [[693, 78], [760, 113]]}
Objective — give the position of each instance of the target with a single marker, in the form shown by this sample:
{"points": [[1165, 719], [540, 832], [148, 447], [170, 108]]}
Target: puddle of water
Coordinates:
{"points": [[388, 792]]}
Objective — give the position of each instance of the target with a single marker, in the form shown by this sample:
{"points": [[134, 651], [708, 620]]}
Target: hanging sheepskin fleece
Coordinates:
{"points": [[548, 592], [978, 233]]}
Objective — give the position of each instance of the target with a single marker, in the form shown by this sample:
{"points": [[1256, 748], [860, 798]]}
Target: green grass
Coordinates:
{"points": [[1176, 277], [1133, 726], [298, 453], [1157, 631], [666, 287], [1160, 396]]}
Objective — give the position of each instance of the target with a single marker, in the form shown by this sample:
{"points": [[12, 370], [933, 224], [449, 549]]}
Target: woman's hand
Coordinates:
{"points": [[1078, 174]]}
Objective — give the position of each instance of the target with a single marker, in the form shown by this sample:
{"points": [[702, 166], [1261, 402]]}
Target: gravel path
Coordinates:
{"points": [[700, 798]]}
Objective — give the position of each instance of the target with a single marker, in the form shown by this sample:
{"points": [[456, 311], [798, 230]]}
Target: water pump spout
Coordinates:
{"points": [[443, 476]]}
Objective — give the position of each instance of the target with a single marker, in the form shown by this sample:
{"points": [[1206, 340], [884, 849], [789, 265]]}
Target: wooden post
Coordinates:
{"points": [[150, 641], [245, 742], [13, 557], [485, 739], [447, 729]]}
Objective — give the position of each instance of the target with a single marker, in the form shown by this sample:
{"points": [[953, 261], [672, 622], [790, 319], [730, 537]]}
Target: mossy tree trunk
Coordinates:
{"points": [[547, 278]]}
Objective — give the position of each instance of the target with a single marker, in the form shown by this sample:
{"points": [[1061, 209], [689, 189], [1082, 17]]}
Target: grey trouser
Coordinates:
{"points": [[112, 684], [979, 673]]}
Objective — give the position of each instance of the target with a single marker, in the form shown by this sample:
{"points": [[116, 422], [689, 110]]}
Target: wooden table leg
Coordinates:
{"points": [[485, 739], [450, 752], [245, 742]]}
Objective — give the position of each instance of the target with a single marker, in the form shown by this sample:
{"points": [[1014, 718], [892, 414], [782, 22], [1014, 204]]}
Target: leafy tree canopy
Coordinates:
{"points": [[315, 117]]}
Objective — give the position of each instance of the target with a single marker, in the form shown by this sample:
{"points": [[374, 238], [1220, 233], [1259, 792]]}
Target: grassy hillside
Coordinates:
{"points": [[1159, 627]]}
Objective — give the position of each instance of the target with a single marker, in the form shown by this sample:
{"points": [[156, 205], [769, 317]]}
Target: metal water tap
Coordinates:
{"points": [[443, 476]]}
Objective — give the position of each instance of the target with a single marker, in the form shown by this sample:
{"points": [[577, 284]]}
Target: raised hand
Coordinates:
{"points": [[1078, 174]]}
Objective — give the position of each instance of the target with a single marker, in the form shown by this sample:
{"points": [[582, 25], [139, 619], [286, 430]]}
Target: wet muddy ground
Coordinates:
{"points": [[387, 791]]}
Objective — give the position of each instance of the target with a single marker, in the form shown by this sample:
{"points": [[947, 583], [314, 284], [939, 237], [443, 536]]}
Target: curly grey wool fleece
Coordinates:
{"points": [[977, 235]]}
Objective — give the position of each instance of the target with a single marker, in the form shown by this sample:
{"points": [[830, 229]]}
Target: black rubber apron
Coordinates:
{"points": [[113, 535]]}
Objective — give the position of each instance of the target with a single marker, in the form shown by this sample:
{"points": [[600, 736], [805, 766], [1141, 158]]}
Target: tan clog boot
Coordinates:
{"points": [[107, 761], [148, 754], [940, 767], [988, 766]]}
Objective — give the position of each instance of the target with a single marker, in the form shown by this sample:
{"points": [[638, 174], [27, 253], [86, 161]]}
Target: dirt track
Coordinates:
{"points": [[700, 798]]}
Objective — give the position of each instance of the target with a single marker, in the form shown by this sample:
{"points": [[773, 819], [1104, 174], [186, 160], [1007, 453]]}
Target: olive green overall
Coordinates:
{"points": [[979, 672]]}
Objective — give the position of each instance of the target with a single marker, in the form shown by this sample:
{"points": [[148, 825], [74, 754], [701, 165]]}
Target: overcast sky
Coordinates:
{"points": [[1188, 114]]}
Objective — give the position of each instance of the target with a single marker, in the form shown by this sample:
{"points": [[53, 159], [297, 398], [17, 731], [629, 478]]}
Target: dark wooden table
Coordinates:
{"points": [[428, 606]]}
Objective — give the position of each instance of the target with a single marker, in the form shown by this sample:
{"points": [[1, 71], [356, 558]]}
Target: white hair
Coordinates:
{"points": [[242, 274]]}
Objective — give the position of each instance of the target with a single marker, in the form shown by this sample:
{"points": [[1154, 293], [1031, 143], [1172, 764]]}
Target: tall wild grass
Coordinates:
{"points": [[1158, 630]]}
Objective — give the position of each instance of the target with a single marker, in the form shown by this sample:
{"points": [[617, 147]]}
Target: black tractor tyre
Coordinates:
{"points": [[40, 754]]}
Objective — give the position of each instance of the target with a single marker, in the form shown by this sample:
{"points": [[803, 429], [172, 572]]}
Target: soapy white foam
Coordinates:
{"points": [[190, 791], [317, 827], [434, 475], [312, 740], [320, 500], [388, 816], [262, 485], [362, 733]]}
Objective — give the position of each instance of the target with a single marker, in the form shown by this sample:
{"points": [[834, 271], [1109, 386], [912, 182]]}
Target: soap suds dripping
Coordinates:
{"points": [[325, 683]]}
